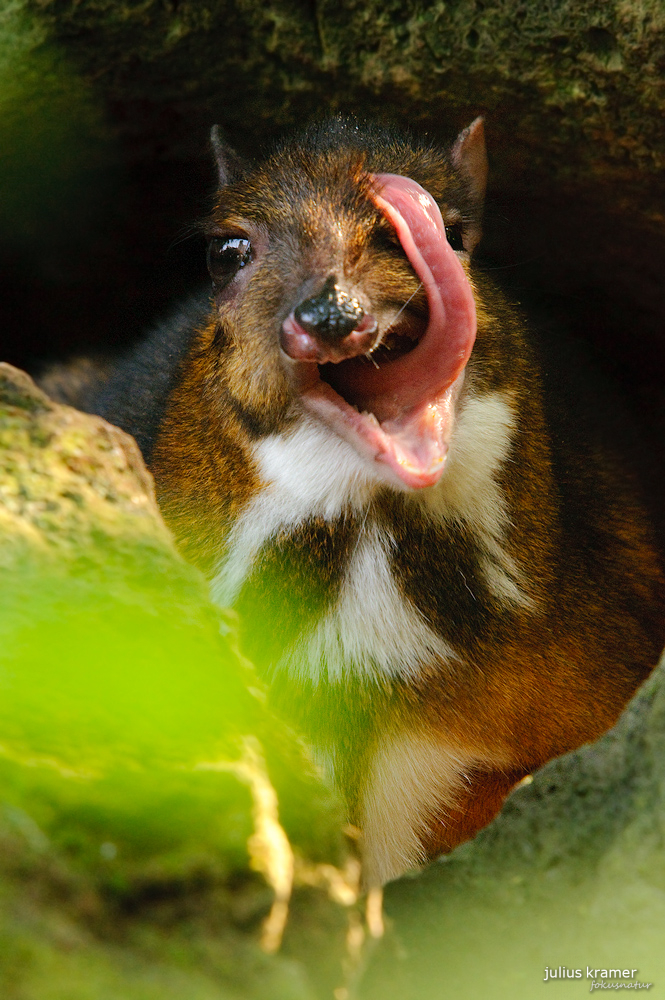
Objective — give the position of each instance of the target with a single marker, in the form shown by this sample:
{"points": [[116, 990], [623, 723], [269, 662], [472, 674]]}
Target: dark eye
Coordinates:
{"points": [[226, 255], [454, 236]]}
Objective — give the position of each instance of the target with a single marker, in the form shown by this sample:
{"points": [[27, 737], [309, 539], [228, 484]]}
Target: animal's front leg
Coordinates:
{"points": [[476, 805], [424, 796]]}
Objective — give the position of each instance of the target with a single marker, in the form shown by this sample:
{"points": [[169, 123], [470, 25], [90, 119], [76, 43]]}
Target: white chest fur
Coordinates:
{"points": [[372, 629], [309, 472]]}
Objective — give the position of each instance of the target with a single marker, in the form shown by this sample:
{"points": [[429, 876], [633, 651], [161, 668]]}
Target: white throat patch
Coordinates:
{"points": [[469, 493], [310, 472], [372, 631]]}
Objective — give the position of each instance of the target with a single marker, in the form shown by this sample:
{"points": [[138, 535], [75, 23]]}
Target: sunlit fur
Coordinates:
{"points": [[469, 491], [411, 770], [372, 630], [433, 645]]}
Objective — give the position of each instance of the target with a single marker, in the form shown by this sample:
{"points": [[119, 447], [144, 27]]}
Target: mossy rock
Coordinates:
{"points": [[571, 875], [146, 792], [105, 161], [573, 85]]}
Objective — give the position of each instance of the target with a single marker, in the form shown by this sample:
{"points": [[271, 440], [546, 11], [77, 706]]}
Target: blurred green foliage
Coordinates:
{"points": [[111, 705], [133, 738]]}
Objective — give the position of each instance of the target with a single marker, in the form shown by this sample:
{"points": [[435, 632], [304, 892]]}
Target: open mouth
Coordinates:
{"points": [[395, 403], [348, 377]]}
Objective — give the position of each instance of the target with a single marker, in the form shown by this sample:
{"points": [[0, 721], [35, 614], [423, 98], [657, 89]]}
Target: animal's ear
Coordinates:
{"points": [[230, 166], [469, 157]]}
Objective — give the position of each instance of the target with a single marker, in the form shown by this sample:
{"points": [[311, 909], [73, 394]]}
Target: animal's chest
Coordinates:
{"points": [[330, 601], [357, 590], [336, 575]]}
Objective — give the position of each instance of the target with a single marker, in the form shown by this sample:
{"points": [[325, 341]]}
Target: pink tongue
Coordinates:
{"points": [[411, 399], [396, 390]]}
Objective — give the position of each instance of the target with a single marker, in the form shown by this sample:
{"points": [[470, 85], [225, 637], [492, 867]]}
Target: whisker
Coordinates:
{"points": [[393, 321], [186, 233]]}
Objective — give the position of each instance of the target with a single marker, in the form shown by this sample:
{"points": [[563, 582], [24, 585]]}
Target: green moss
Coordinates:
{"points": [[257, 68], [133, 738], [570, 874]]}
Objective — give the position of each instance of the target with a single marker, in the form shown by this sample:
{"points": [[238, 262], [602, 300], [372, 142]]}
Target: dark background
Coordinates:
{"points": [[105, 165]]}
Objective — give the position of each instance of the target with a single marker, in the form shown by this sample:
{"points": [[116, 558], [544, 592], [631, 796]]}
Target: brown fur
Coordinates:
{"points": [[533, 679]]}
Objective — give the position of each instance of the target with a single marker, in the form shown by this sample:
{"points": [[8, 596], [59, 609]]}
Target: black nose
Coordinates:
{"points": [[331, 315]]}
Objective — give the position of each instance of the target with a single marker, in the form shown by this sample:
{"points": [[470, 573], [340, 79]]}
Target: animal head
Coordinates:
{"points": [[340, 273]]}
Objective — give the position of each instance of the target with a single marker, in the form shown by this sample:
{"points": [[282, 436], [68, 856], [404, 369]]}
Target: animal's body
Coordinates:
{"points": [[448, 593]]}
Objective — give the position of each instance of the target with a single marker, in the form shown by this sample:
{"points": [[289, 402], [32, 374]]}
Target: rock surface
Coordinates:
{"points": [[107, 108], [572, 87], [145, 790], [571, 875]]}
